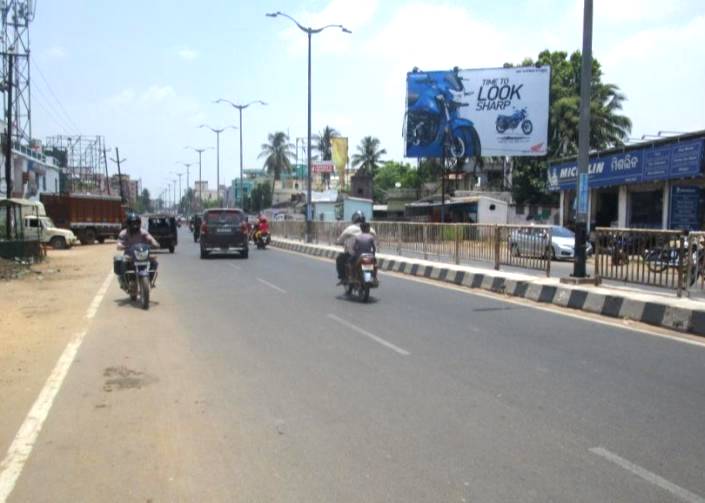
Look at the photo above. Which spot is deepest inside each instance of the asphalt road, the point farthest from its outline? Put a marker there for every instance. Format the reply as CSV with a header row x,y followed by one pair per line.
x,y
257,381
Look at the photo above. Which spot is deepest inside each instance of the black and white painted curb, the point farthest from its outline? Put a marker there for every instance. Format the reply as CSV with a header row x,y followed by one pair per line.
x,y
613,305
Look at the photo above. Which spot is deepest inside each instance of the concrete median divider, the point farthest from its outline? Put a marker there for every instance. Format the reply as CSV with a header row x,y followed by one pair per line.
x,y
683,315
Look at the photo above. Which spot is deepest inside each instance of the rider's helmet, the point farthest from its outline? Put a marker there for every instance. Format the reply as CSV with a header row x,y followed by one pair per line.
x,y
133,223
358,217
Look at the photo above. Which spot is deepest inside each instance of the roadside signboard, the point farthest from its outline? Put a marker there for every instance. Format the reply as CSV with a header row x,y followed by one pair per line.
x,y
322,167
685,207
487,112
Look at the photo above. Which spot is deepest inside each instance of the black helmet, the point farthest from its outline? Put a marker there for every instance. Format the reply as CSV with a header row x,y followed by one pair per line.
x,y
358,217
133,222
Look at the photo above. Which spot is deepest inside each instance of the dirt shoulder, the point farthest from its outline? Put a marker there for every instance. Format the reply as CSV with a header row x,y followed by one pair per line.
x,y
41,310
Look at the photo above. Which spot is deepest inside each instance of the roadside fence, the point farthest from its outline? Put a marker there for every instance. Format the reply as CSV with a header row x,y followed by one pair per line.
x,y
528,247
666,259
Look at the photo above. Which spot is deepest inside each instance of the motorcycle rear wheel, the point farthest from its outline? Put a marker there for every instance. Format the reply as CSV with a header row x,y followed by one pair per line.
x,y
364,293
527,127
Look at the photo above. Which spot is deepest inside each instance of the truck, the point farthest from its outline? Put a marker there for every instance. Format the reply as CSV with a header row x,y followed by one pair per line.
x,y
38,226
91,217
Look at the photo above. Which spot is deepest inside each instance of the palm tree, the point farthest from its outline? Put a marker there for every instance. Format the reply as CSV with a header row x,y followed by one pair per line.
x,y
321,142
368,155
277,155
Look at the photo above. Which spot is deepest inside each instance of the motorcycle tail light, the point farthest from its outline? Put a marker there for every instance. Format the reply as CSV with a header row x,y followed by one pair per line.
x,y
367,260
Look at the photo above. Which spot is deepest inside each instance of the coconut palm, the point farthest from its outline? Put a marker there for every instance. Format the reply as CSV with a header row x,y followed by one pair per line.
x,y
321,142
368,156
277,154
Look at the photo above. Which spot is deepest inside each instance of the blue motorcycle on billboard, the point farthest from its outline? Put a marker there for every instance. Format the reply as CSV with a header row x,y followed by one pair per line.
x,y
513,121
433,125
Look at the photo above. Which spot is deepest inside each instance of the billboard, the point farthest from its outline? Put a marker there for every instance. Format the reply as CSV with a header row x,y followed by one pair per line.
x,y
339,152
483,112
322,166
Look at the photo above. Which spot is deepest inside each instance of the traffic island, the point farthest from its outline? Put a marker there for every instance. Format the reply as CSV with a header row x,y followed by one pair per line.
x,y
682,315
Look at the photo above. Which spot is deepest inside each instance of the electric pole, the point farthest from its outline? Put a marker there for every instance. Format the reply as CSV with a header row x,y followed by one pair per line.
x,y
117,161
105,160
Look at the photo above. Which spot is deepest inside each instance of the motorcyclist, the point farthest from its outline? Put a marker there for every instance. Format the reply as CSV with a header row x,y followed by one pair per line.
x,y
196,227
133,234
347,240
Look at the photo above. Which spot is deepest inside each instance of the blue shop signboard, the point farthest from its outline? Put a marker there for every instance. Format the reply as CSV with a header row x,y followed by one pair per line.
x,y
677,160
685,208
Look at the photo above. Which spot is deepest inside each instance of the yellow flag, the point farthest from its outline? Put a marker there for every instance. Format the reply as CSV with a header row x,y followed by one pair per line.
x,y
339,152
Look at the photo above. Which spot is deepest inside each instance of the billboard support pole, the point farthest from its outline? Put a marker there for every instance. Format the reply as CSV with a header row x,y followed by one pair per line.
x,y
443,186
583,144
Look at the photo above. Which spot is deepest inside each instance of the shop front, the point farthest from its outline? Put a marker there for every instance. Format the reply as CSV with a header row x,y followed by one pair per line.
x,y
655,185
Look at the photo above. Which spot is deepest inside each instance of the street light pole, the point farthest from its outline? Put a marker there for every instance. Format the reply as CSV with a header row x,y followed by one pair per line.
x,y
240,108
583,144
188,180
200,177
309,31
217,132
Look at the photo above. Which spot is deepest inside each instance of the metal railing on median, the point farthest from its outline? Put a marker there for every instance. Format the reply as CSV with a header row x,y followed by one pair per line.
x,y
528,247
660,258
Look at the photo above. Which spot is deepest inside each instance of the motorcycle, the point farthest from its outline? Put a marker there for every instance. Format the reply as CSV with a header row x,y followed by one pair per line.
x,y
505,122
261,239
433,125
361,277
135,273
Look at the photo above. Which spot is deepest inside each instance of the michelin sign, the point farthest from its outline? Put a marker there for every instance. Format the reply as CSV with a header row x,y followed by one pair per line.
x,y
674,161
485,112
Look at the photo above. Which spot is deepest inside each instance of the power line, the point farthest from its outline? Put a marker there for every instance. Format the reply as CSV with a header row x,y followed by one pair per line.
x,y
56,98
44,104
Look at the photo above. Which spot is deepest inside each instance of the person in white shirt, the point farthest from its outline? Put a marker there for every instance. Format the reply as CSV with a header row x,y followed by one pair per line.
x,y
347,240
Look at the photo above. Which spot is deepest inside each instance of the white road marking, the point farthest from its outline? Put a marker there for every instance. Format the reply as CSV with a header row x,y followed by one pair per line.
x,y
270,285
235,267
645,474
368,334
93,308
21,447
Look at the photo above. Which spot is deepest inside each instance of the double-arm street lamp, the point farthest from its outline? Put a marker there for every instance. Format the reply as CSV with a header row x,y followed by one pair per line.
x,y
179,175
217,132
240,108
199,151
308,31
188,179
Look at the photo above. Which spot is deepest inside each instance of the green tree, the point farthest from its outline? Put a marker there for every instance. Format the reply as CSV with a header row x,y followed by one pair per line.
x,y
278,155
186,203
608,127
143,204
260,197
368,155
321,142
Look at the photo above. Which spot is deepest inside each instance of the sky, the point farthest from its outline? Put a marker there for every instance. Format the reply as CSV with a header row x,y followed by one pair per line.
x,y
144,74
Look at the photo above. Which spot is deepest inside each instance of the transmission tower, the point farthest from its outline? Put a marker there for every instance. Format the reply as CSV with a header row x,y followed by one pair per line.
x,y
16,17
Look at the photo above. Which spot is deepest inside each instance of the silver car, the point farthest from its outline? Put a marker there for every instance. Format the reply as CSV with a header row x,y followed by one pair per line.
x,y
533,242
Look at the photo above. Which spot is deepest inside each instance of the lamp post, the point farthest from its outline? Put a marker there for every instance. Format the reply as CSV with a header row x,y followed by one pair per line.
x,y
217,132
308,31
179,175
200,178
240,108
188,182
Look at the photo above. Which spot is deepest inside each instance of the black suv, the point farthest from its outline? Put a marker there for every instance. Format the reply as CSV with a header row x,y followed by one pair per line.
x,y
224,230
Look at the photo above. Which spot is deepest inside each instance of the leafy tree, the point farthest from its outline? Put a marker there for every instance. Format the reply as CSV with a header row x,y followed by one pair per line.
x,y
143,204
608,128
321,142
186,203
368,155
260,197
278,155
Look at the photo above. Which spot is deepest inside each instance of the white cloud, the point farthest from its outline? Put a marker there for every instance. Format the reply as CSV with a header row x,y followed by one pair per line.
x,y
122,98
633,11
188,54
156,94
56,52
354,15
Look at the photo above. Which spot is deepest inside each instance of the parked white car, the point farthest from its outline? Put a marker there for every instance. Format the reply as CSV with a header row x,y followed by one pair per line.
x,y
533,242
43,229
